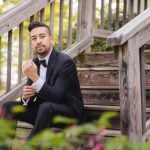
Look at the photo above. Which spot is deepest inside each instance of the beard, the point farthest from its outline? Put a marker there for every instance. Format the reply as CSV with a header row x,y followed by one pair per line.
x,y
42,51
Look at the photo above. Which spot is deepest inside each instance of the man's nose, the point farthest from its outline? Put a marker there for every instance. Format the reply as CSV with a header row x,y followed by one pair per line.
x,y
38,40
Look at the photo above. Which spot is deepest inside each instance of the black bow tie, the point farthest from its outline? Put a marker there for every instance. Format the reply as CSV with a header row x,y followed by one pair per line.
x,y
43,62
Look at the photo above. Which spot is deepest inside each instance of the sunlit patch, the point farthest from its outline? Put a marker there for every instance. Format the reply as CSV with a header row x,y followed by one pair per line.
x,y
18,109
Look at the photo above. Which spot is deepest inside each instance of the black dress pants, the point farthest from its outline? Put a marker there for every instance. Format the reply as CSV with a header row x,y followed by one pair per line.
x,y
40,116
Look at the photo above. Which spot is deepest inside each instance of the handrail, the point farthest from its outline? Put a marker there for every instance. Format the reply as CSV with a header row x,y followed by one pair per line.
x,y
13,94
19,13
79,47
130,29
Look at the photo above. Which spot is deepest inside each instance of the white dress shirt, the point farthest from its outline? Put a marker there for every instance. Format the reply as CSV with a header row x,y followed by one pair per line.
x,y
42,78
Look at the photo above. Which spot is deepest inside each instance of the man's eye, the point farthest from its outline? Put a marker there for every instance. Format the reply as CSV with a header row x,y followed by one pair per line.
x,y
33,39
43,36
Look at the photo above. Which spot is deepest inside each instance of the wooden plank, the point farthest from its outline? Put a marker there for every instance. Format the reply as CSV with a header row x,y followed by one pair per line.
x,y
79,47
131,9
60,37
105,59
42,11
143,96
13,94
102,15
134,91
110,15
52,16
9,61
101,33
100,96
124,11
117,15
139,6
98,77
85,18
20,52
69,38
130,29
143,36
19,13
97,59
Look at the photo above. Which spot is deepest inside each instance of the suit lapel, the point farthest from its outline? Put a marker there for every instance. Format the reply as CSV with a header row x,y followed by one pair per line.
x,y
51,63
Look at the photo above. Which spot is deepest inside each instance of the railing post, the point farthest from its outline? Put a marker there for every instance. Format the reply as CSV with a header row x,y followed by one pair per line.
x,y
132,96
85,18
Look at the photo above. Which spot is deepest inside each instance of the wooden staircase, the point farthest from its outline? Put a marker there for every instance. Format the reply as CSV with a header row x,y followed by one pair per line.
x,y
98,72
98,75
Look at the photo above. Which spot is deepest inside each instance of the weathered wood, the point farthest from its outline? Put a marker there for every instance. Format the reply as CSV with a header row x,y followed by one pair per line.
x,y
117,15
60,38
104,77
20,52
79,47
102,15
42,11
52,16
98,77
9,61
93,95
110,15
101,33
130,90
97,59
85,18
143,93
124,12
13,94
18,14
69,38
130,29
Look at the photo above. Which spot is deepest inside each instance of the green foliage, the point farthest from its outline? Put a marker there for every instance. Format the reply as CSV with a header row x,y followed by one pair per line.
x,y
87,136
100,45
7,133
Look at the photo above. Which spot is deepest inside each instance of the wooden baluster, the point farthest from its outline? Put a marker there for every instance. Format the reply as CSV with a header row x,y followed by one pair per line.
x,y
117,15
124,12
20,52
60,41
139,6
102,15
42,12
69,42
52,17
110,15
9,61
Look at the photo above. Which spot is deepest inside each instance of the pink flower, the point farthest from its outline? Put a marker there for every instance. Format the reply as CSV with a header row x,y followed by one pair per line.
x,y
98,147
2,112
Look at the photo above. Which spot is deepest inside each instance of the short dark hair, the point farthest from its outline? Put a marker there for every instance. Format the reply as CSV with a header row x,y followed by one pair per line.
x,y
36,24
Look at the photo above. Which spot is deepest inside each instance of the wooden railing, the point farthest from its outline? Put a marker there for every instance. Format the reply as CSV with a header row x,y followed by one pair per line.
x,y
14,35
18,19
130,40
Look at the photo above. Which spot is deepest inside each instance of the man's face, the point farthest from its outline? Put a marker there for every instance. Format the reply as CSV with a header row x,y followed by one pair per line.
x,y
41,41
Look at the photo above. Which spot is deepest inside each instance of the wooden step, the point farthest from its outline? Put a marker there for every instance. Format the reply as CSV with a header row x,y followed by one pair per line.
x,y
104,77
96,59
104,59
97,95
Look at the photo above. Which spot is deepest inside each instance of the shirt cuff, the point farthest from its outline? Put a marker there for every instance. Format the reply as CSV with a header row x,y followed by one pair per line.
x,y
25,102
38,84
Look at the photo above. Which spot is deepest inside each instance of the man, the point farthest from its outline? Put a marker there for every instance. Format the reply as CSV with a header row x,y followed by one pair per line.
x,y
52,87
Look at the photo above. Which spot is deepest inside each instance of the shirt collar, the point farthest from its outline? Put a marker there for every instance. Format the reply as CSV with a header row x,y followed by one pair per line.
x,y
47,57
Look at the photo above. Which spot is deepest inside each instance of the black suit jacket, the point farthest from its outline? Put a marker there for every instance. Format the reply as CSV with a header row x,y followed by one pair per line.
x,y
62,84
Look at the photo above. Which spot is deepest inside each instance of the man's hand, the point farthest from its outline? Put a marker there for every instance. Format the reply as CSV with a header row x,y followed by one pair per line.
x,y
27,92
30,70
